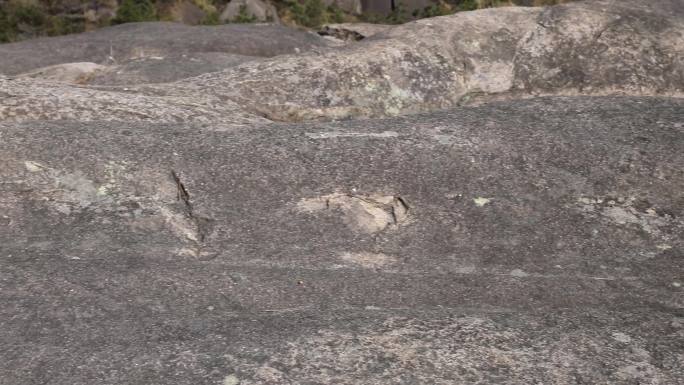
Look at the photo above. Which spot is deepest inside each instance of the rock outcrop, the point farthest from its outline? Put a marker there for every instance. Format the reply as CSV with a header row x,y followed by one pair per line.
x,y
27,99
76,73
138,40
164,69
353,31
257,9
525,241
167,216
581,48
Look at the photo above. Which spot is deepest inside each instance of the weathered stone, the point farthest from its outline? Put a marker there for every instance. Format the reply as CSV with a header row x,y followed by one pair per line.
x,y
352,31
469,57
376,7
538,241
258,9
158,227
98,12
187,12
350,6
162,69
78,73
135,40
431,64
29,99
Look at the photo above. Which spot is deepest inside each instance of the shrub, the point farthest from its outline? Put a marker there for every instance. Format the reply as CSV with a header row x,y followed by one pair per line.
x,y
212,18
335,14
131,11
243,16
439,9
468,5
6,30
309,13
19,20
399,15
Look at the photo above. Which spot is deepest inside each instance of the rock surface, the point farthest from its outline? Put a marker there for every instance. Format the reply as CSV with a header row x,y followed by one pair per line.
x,y
157,226
77,73
586,48
259,10
164,69
136,40
520,242
28,99
354,7
353,31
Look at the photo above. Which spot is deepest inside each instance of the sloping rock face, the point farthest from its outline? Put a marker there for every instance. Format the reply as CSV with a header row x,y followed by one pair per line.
x,y
142,70
592,48
353,31
138,40
516,225
67,73
583,48
28,99
520,242
164,69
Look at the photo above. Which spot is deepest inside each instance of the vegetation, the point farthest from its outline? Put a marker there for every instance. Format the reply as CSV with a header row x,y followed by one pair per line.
x,y
312,13
212,18
243,16
439,9
131,11
397,16
21,19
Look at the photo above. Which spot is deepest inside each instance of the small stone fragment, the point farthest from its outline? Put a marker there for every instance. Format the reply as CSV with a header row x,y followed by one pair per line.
x,y
34,166
480,201
518,273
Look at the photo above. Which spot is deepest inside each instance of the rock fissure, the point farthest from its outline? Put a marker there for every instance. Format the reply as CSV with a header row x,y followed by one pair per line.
x,y
183,196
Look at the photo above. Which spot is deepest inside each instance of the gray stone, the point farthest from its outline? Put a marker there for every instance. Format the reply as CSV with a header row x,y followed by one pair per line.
x,y
78,73
186,11
134,40
158,227
377,7
30,99
352,31
163,69
350,6
348,252
592,48
258,9
469,57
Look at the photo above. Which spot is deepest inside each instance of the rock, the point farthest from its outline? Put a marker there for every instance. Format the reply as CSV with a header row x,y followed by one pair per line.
x,y
258,9
184,253
78,73
431,64
187,12
350,6
352,31
29,99
163,69
159,226
377,7
134,40
98,13
571,49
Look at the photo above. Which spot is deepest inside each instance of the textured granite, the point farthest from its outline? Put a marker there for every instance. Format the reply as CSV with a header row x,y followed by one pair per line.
x,y
521,242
